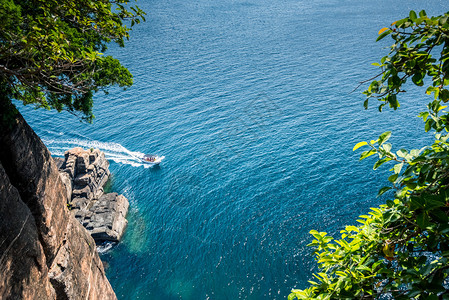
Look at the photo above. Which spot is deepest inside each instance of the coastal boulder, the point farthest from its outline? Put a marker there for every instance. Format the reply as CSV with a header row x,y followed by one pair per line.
x,y
105,220
103,215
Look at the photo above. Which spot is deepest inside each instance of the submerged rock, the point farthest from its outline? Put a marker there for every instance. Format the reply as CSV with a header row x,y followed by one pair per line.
x,y
84,173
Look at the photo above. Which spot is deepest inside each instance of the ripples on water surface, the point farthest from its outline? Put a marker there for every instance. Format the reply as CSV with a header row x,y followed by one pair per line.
x,y
250,103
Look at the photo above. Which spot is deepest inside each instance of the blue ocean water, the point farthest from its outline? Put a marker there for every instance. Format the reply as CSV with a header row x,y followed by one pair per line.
x,y
250,102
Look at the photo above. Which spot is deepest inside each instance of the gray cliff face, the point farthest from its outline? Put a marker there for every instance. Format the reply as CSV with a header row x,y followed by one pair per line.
x,y
45,253
84,173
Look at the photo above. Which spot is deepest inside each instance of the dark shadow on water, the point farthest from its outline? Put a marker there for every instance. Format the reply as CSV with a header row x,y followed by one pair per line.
x,y
155,168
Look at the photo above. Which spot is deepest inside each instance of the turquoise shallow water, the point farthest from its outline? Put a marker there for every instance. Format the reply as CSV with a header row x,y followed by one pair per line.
x,y
250,103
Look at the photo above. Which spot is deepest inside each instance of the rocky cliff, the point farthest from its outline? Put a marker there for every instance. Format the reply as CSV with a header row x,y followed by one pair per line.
x,y
84,173
45,253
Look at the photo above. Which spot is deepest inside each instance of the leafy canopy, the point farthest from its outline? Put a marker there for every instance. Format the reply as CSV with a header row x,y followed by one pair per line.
x,y
400,250
51,51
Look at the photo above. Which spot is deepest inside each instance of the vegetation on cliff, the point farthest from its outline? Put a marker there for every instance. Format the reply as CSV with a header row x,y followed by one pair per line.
x,y
401,249
50,51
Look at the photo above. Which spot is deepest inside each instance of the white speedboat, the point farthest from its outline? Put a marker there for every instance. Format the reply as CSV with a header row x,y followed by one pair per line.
x,y
152,159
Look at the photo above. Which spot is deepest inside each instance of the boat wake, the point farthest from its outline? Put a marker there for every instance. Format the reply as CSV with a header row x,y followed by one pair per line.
x,y
113,151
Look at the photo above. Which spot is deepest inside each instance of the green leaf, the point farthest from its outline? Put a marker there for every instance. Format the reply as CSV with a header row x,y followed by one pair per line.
x,y
444,96
366,154
401,152
422,13
383,34
387,147
411,185
397,168
393,178
291,296
423,115
429,124
413,16
418,79
431,89
341,274
422,220
398,23
384,137
440,216
365,104
414,152
432,202
380,162
315,234
393,101
383,190
416,202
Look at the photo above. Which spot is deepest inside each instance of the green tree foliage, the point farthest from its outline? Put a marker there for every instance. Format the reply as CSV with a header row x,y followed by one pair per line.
x,y
51,51
401,249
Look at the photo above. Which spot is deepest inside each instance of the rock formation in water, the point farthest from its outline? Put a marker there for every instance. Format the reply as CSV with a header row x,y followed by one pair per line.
x,y
84,173
45,253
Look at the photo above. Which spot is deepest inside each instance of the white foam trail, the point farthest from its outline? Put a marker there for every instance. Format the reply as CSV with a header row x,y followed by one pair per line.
x,y
113,151
105,247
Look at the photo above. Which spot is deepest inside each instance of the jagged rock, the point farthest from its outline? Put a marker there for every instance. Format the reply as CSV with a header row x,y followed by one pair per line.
x,y
107,218
82,162
44,252
84,192
69,165
59,162
65,177
79,203
67,183
88,170
103,215
63,271
82,179
99,192
23,265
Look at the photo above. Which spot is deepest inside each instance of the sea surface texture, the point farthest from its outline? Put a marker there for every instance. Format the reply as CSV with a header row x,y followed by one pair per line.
x,y
251,103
